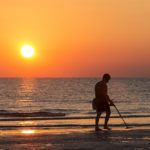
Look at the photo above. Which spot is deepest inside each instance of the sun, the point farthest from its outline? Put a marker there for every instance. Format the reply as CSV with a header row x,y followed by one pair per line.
x,y
27,51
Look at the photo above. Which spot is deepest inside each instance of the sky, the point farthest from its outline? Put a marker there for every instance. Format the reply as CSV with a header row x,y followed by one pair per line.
x,y
75,38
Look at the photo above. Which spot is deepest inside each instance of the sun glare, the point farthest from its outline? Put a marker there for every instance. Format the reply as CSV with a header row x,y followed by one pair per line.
x,y
27,51
28,131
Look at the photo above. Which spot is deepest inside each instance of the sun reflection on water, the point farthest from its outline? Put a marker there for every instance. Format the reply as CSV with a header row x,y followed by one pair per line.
x,y
25,95
28,131
26,122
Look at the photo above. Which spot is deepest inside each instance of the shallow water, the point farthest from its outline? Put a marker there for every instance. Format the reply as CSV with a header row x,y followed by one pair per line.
x,y
70,97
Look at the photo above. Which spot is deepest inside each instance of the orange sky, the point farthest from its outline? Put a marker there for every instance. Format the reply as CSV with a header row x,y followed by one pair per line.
x,y
75,38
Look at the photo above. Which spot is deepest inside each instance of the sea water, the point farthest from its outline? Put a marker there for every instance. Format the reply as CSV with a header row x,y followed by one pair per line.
x,y
70,97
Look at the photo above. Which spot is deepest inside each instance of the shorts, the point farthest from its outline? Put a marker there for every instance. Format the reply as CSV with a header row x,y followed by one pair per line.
x,y
101,105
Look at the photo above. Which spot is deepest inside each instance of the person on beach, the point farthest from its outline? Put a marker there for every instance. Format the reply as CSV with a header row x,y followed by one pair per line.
x,y
101,102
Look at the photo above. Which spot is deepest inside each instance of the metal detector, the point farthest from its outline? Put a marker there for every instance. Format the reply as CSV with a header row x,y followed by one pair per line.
x,y
120,116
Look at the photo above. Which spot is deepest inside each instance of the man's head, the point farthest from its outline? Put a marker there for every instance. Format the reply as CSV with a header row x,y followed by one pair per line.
x,y
106,77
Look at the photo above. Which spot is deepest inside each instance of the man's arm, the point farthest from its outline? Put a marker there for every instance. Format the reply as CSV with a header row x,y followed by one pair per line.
x,y
110,101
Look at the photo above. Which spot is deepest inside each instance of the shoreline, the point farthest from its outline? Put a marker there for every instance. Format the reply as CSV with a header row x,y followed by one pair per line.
x,y
70,123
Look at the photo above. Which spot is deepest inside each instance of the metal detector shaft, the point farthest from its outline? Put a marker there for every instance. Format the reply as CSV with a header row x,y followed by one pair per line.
x,y
121,116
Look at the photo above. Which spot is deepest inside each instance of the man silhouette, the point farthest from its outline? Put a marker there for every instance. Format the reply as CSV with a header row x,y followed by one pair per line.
x,y
102,101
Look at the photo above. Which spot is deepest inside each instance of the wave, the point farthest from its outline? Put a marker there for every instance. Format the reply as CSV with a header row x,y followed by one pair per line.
x,y
4,113
61,110
41,113
61,117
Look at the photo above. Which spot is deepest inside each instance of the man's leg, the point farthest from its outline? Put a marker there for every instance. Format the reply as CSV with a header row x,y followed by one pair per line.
x,y
107,119
97,120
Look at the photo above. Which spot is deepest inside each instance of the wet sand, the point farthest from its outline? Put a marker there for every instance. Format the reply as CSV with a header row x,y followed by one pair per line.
x,y
75,139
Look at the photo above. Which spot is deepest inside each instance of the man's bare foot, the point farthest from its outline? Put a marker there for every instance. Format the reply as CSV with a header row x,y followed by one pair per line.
x,y
98,129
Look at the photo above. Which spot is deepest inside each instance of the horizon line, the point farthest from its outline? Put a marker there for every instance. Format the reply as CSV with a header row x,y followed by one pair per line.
x,y
78,77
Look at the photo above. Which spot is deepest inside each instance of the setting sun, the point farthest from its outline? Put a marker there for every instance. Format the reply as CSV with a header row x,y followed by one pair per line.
x,y
27,51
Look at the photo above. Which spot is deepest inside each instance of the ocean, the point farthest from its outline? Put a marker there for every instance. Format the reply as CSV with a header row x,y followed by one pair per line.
x,y
49,101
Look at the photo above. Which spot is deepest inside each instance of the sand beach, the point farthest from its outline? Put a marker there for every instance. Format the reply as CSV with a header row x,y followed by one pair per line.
x,y
119,138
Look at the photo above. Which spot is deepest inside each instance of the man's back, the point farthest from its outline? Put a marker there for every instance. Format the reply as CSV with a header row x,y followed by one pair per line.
x,y
100,90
